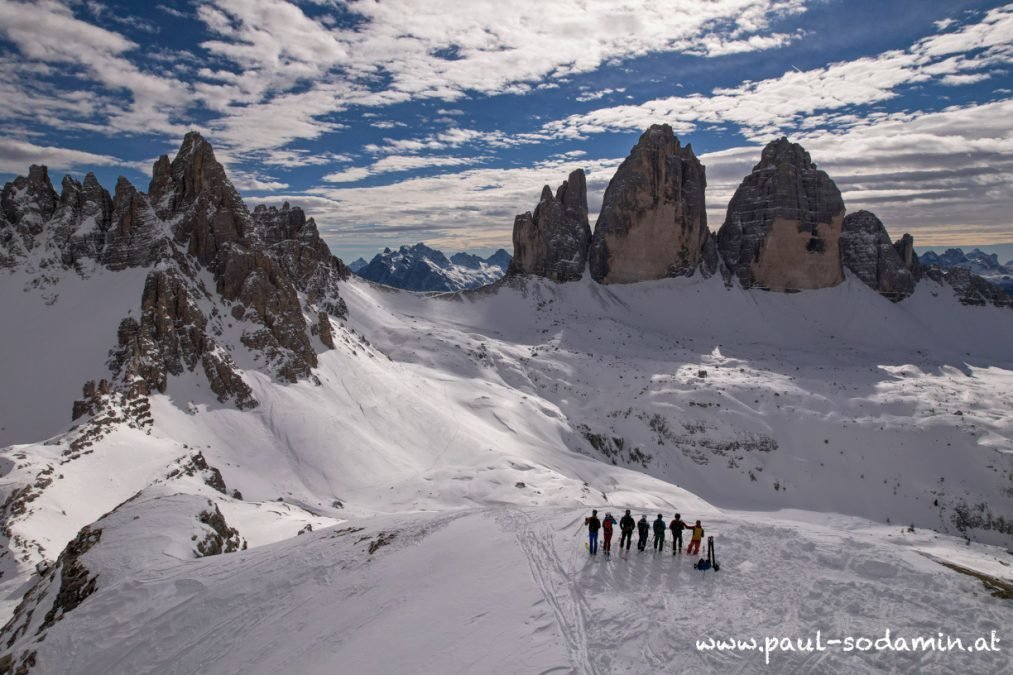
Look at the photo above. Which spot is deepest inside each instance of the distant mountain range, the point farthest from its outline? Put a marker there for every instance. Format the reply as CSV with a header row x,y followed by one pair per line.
x,y
421,268
976,261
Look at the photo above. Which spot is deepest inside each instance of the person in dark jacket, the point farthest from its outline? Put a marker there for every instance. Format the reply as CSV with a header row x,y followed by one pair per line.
x,y
643,529
677,526
626,527
659,533
593,525
606,526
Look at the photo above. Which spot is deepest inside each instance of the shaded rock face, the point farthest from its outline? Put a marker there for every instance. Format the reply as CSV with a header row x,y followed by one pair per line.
x,y
783,224
295,245
26,205
553,241
194,194
135,236
172,336
905,247
270,272
653,222
867,251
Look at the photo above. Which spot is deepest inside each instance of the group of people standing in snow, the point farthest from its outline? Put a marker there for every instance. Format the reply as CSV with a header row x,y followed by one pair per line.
x,y
626,526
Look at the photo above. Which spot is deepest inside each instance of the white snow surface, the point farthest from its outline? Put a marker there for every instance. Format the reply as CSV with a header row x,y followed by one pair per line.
x,y
807,431
57,335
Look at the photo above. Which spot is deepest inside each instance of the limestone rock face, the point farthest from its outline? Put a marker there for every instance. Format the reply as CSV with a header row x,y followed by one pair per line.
x,y
867,251
905,248
26,205
172,336
135,237
783,224
653,222
295,245
194,193
553,241
93,210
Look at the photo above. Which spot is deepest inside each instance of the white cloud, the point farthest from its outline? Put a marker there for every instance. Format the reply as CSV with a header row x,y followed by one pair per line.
x,y
786,102
16,156
350,175
48,32
245,180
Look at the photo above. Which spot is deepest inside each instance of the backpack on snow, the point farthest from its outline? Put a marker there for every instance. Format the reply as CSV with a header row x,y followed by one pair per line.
x,y
710,562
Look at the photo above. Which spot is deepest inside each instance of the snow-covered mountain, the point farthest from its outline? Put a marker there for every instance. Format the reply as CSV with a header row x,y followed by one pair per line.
x,y
977,262
276,466
357,264
420,268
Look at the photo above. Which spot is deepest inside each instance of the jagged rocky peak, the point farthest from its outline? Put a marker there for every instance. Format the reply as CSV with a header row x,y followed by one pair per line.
x,y
553,241
866,250
30,200
653,221
295,246
194,192
784,223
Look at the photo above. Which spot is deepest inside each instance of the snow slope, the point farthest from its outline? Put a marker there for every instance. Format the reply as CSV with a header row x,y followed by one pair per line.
x,y
510,589
73,322
479,427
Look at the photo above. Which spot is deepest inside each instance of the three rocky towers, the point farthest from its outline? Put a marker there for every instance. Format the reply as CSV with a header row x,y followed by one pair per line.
x,y
785,229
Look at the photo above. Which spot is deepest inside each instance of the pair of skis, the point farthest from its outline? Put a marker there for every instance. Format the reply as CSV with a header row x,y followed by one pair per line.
x,y
711,563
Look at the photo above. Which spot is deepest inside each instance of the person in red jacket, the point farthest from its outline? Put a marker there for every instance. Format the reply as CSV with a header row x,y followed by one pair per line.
x,y
606,527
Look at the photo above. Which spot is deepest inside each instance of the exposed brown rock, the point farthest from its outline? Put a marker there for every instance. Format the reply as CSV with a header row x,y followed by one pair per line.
x,y
783,224
653,222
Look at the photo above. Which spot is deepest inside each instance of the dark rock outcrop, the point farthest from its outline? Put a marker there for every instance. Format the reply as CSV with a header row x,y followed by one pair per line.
x,y
26,205
136,237
970,288
653,222
553,241
867,251
295,245
783,224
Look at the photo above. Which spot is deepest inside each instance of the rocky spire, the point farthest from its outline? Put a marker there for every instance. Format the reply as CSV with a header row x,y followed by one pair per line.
x,y
783,223
866,250
653,222
195,194
552,242
26,205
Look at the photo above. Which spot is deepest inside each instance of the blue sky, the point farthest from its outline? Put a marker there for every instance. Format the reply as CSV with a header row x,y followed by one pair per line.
x,y
395,122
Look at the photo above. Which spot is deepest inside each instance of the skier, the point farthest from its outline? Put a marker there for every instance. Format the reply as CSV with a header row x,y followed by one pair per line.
x,y
659,533
694,542
626,525
677,527
643,529
593,525
606,526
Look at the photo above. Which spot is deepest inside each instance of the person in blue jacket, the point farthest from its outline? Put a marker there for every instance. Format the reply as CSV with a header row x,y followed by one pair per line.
x,y
643,529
